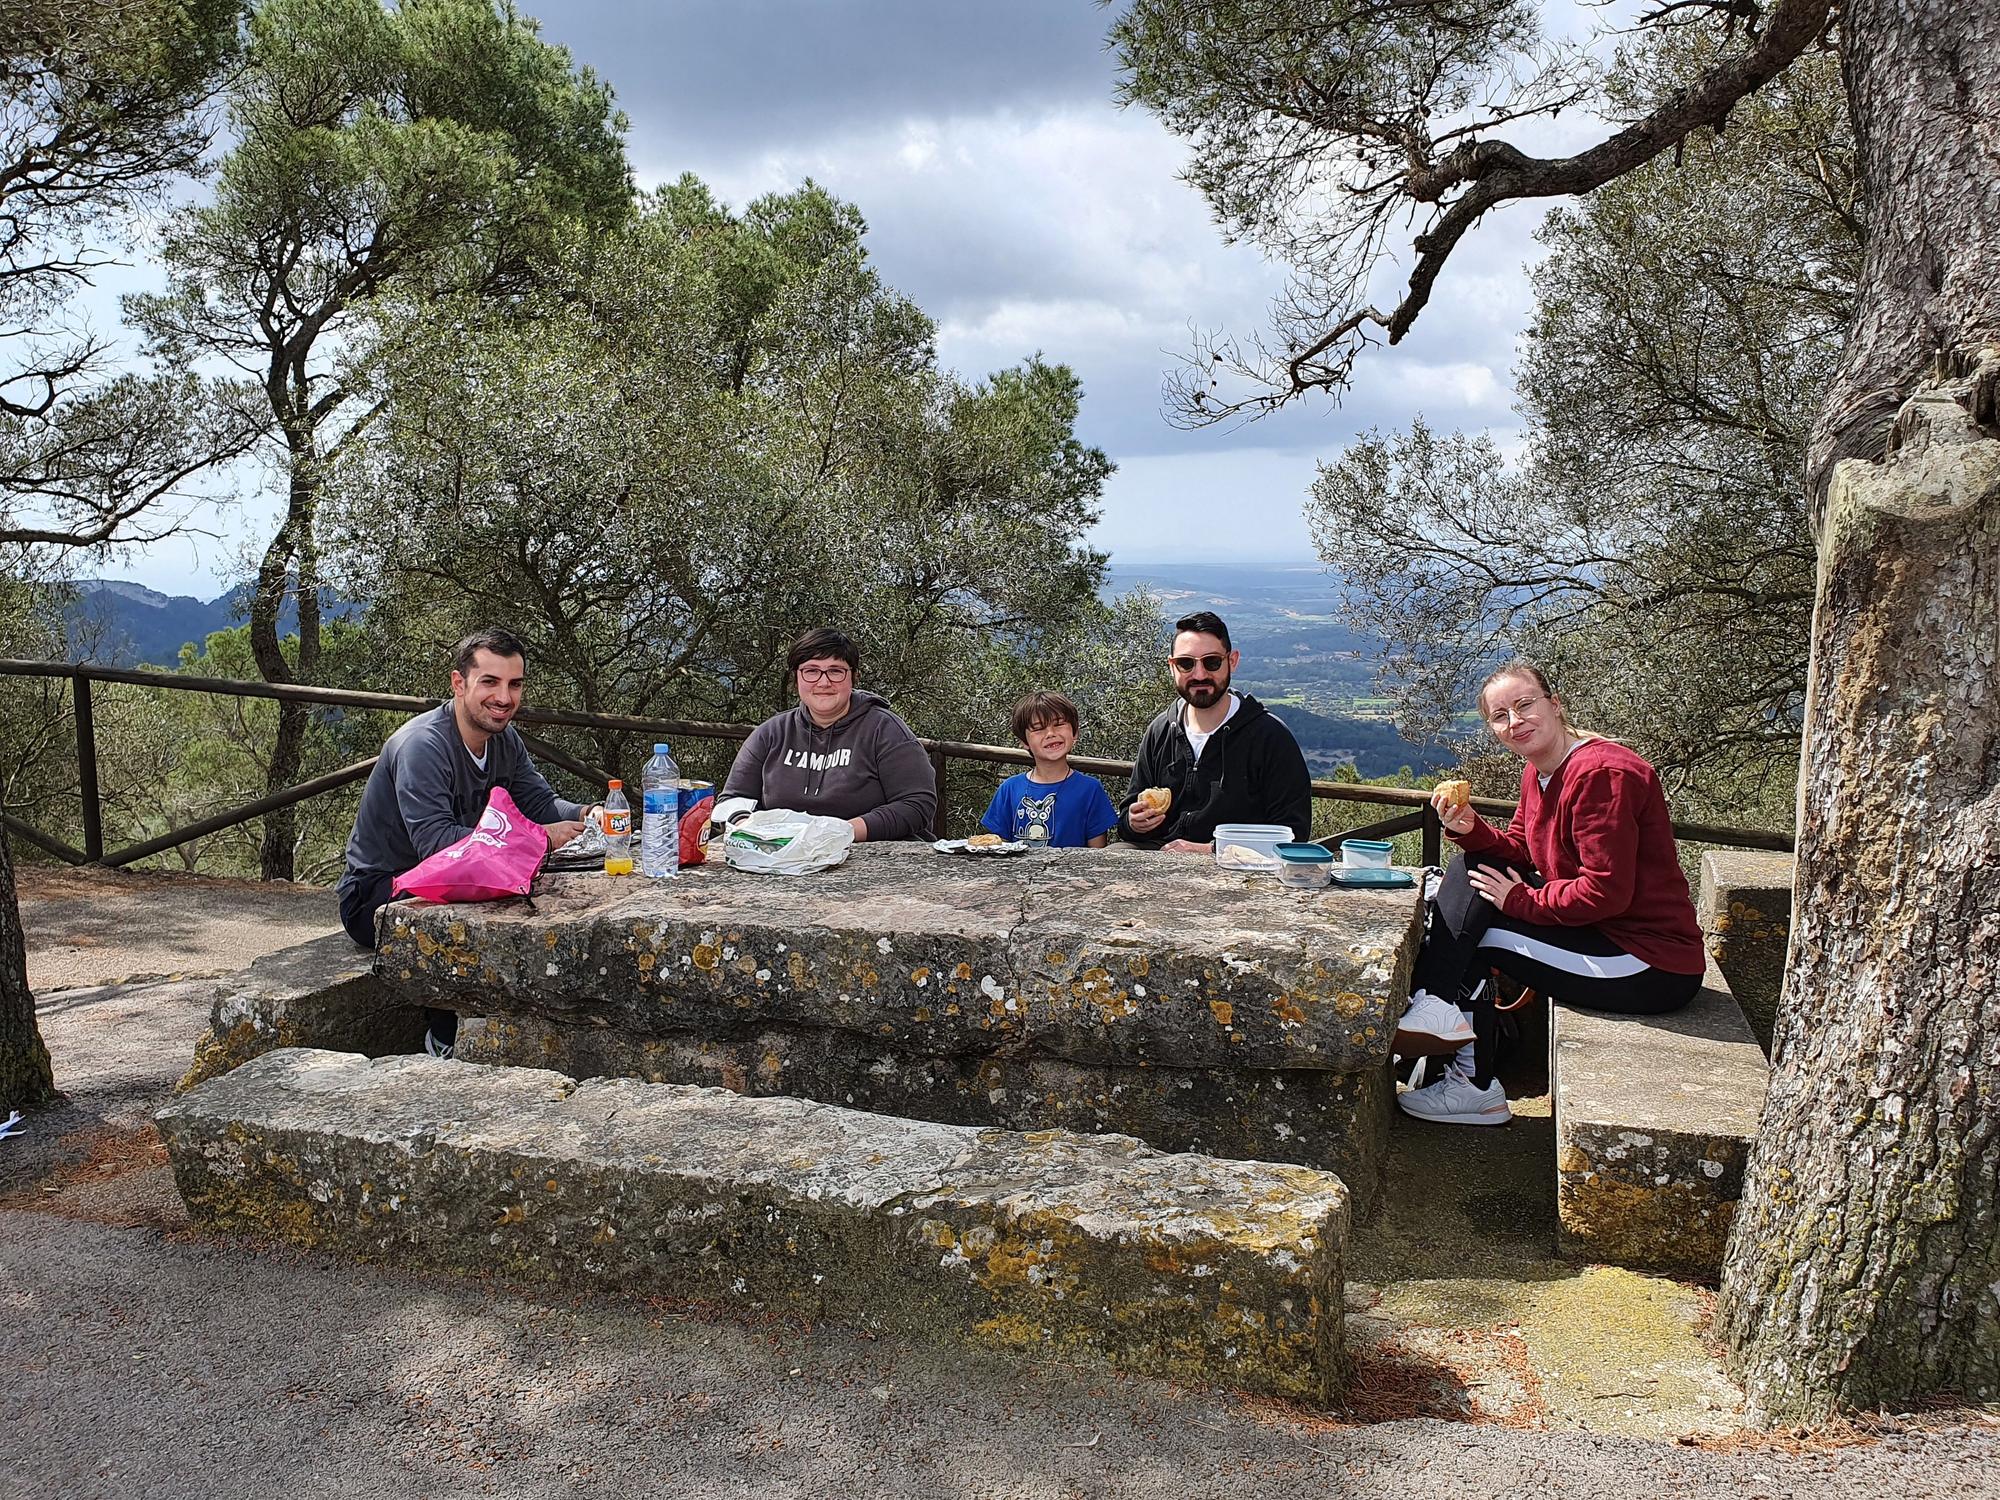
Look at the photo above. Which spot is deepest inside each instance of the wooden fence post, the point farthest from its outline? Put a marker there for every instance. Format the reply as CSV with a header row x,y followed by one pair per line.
x,y
86,766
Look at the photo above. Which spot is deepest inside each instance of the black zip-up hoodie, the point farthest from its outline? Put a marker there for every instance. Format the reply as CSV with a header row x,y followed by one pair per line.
x,y
866,764
1251,771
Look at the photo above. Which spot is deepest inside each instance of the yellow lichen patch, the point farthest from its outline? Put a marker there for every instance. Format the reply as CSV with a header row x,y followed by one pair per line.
x,y
770,1065
1223,1011
549,938
1288,1010
1139,966
707,957
1348,1005
604,1236
866,977
919,976
796,967
734,1078
962,971
513,1213
552,1186
745,964
647,960
1057,959
951,1009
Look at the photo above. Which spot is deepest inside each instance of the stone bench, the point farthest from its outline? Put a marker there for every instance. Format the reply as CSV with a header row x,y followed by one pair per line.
x,y
318,994
1181,1266
1092,990
1745,908
1654,1116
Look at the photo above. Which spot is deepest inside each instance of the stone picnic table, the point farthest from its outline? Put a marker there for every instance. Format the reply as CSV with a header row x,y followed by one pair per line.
x,y
1100,991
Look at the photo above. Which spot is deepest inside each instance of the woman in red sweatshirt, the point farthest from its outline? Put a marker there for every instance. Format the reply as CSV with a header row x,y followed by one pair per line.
x,y
1580,896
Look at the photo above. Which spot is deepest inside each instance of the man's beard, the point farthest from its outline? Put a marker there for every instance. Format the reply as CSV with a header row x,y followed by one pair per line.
x,y
1203,694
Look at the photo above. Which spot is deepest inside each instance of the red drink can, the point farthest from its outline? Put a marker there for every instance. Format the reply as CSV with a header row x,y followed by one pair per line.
x,y
697,806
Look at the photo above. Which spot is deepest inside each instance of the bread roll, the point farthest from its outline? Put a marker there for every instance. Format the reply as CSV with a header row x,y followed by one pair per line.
x,y
1460,793
1156,798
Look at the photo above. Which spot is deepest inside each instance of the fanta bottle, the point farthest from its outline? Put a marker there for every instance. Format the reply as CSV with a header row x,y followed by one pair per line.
x,y
617,830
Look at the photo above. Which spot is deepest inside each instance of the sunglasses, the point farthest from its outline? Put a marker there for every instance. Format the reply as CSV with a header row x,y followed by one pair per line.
x,y
1185,664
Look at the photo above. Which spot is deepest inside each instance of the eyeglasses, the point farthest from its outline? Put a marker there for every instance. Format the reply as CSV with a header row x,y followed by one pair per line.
x,y
1186,664
823,674
1520,708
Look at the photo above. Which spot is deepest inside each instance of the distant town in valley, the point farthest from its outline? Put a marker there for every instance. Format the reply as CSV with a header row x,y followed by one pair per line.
x,y
1318,675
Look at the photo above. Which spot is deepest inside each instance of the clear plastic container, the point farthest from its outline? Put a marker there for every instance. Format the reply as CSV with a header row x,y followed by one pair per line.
x,y
1307,866
1250,846
1365,854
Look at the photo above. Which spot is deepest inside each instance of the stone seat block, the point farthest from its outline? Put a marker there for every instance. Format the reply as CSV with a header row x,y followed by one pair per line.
x,y
319,994
1745,908
1337,1122
1654,1117
1113,957
1182,1266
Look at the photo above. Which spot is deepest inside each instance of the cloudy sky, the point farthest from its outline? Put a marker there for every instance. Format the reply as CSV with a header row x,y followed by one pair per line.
x,y
1007,194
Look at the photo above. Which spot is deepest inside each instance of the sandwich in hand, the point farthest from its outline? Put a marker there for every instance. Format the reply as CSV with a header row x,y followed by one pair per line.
x,y
1156,798
1460,793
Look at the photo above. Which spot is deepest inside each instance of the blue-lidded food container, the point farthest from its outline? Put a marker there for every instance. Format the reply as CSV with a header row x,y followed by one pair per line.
x,y
1308,866
1365,854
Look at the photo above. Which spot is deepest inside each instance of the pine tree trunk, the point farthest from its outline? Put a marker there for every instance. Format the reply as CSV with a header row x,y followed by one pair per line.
x,y
1865,1264
25,1076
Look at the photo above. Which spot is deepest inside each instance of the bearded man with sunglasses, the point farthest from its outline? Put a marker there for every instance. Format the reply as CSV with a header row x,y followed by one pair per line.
x,y
1224,756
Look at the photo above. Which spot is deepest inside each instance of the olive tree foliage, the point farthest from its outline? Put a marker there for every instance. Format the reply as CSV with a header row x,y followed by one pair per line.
x,y
1652,547
432,148
101,108
1864,1253
708,432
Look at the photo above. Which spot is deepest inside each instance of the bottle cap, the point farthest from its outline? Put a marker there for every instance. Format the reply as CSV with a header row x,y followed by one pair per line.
x,y
661,749
615,785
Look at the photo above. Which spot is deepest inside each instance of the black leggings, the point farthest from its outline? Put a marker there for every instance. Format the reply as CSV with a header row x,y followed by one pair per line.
x,y
1467,934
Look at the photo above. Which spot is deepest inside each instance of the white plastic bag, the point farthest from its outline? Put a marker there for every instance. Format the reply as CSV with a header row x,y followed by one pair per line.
x,y
776,842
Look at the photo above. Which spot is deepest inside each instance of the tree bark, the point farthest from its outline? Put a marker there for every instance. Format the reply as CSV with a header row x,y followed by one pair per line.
x,y
26,1079
293,545
1865,1264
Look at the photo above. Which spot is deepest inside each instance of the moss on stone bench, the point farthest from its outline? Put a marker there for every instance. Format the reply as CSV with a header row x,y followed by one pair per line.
x,y
1182,1266
1654,1117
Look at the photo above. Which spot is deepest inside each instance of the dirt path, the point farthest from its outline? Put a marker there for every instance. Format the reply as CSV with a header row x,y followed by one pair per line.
x,y
107,926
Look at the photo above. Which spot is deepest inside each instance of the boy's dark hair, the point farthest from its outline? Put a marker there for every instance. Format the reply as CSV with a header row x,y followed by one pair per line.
x,y
815,644
1205,622
1044,708
497,639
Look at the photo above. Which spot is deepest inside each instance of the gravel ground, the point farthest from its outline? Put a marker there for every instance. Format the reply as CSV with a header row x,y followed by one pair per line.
x,y
142,1359
100,926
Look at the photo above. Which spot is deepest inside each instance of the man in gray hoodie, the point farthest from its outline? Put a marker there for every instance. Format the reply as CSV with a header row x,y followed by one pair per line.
x,y
841,753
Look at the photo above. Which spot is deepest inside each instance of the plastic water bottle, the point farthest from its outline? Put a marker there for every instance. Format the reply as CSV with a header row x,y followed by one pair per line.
x,y
617,831
660,832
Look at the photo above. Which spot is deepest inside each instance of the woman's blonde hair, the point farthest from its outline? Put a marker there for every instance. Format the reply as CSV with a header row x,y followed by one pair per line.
x,y
1530,670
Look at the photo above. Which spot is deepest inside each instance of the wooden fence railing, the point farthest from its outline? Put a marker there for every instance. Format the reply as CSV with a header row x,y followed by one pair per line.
x,y
1416,815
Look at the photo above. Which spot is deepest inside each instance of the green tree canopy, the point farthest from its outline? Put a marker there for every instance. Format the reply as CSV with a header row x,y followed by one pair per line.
x,y
434,149
1687,319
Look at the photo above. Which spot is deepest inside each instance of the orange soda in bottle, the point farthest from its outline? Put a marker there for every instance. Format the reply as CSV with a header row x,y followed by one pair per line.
x,y
617,830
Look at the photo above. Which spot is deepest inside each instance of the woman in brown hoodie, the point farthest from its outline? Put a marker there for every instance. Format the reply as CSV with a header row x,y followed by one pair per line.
x,y
841,753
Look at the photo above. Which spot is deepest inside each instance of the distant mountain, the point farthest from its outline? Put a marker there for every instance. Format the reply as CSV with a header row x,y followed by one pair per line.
x,y
124,624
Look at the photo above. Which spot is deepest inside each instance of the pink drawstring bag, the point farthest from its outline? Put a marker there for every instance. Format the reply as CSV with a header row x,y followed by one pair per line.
x,y
498,859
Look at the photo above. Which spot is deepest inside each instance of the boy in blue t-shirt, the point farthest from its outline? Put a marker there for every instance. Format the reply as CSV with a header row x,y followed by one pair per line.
x,y
1050,803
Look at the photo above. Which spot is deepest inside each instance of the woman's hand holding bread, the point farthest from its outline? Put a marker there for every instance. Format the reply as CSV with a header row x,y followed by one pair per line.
x,y
1453,802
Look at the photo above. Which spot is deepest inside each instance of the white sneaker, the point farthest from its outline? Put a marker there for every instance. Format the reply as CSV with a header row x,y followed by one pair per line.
x,y
1432,1025
435,1047
1454,1100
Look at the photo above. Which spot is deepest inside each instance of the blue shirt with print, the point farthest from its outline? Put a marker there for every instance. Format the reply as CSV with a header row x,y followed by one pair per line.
x,y
1072,811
